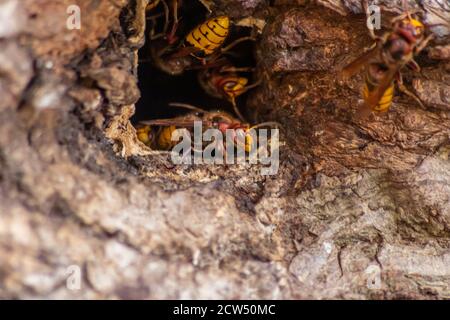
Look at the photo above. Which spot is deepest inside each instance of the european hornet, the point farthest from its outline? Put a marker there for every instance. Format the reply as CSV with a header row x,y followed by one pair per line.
x,y
157,133
225,82
383,62
156,137
203,44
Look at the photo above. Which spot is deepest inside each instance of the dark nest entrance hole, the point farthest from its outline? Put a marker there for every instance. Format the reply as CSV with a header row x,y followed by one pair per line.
x,y
158,88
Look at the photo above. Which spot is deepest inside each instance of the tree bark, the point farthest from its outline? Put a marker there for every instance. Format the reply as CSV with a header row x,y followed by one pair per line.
x,y
358,209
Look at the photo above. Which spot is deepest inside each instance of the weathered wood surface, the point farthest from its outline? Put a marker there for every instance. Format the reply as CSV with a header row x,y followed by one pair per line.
x,y
358,209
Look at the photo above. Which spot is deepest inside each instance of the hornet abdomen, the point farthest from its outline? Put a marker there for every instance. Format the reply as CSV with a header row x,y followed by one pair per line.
x,y
210,35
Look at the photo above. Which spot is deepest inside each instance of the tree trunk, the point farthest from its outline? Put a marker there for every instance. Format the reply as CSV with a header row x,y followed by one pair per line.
x,y
358,209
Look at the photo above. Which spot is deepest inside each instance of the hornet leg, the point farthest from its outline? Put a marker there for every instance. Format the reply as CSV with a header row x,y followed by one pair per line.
x,y
405,90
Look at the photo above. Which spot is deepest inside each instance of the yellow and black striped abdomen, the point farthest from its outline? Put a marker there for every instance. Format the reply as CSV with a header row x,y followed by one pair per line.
x,y
233,86
165,138
210,35
144,134
386,100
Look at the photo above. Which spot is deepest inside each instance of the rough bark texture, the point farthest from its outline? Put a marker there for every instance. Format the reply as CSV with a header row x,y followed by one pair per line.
x,y
359,209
